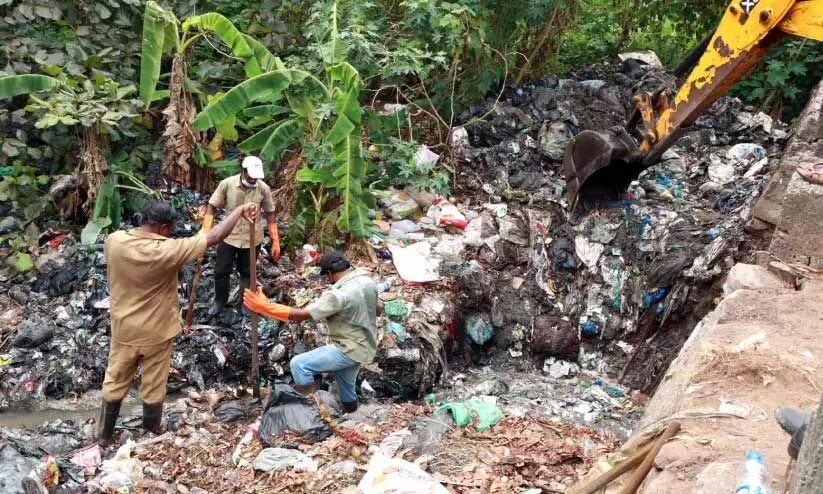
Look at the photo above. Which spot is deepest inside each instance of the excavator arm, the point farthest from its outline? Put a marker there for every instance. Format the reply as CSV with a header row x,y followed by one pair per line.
x,y
600,164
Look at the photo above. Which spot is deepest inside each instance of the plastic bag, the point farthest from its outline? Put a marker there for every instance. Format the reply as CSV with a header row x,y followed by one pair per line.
x,y
122,471
392,476
488,414
445,213
288,410
276,459
479,329
415,263
398,330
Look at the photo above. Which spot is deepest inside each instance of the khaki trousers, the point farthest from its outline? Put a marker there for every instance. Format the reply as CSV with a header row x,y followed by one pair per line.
x,y
154,362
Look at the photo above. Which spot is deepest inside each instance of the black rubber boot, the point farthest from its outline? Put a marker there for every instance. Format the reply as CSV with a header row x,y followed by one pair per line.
x,y
152,417
349,406
108,417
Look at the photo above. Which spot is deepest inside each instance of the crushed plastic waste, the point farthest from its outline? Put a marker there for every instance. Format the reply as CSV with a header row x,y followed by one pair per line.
x,y
387,475
482,413
277,459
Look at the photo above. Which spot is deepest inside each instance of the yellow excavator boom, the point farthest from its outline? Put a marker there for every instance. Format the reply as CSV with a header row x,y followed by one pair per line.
x,y
605,162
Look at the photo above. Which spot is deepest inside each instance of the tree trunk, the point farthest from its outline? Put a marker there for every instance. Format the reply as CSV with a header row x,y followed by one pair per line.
x,y
807,477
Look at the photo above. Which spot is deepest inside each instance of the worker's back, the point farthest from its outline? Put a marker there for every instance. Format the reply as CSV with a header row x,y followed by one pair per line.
x,y
142,276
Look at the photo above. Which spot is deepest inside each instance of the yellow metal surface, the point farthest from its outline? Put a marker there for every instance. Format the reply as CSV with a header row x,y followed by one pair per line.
x,y
737,34
805,19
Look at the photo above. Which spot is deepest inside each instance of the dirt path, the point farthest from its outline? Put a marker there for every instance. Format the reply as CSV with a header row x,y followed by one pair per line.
x,y
758,350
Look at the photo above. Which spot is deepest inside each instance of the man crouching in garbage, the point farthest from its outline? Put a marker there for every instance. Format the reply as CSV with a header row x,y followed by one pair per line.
x,y
350,310
142,269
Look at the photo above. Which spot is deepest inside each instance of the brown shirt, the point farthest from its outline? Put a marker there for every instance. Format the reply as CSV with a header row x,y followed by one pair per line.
x,y
142,274
230,194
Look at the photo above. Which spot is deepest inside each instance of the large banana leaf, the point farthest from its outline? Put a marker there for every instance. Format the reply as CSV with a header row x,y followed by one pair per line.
x,y
229,34
159,33
278,140
271,140
350,169
334,50
264,110
257,88
15,85
267,61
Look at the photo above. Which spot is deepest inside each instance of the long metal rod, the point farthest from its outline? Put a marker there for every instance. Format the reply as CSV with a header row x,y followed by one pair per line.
x,y
255,358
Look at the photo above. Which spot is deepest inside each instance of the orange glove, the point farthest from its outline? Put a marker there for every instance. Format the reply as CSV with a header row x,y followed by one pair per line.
x,y
208,222
257,302
274,235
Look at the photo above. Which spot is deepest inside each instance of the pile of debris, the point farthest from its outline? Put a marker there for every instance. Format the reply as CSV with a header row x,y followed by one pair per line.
x,y
460,447
497,275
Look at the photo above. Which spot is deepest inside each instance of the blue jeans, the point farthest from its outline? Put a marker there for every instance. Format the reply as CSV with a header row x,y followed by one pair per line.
x,y
327,358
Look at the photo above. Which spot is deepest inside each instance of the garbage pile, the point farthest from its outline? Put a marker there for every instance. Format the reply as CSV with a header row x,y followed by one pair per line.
x,y
495,275
472,445
628,268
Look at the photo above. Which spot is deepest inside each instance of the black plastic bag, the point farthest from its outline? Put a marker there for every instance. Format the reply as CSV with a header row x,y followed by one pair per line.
x,y
288,410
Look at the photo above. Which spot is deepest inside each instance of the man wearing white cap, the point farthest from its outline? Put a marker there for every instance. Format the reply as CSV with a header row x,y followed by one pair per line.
x,y
244,188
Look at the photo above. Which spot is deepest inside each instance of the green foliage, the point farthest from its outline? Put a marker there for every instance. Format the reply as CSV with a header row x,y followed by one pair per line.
x,y
15,85
159,37
109,203
783,81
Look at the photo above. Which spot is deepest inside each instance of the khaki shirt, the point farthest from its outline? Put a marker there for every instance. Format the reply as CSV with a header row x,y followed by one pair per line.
x,y
230,194
142,273
350,311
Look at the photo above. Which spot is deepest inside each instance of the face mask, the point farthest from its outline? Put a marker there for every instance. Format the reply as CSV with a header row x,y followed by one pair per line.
x,y
245,183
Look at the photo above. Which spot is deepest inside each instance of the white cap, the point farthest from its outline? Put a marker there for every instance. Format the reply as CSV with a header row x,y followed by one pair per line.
x,y
254,167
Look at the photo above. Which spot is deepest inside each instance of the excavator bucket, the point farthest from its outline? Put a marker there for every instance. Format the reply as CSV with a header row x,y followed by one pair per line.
x,y
600,166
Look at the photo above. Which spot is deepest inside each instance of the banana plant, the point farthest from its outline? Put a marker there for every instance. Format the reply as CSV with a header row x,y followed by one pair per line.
x,y
15,85
164,34
296,108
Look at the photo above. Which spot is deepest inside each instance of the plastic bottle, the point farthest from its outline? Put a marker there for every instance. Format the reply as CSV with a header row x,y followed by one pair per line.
x,y
752,476
383,286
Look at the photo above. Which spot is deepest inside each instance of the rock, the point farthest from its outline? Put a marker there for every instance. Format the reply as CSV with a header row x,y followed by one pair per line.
x,y
555,337
750,277
716,477
552,139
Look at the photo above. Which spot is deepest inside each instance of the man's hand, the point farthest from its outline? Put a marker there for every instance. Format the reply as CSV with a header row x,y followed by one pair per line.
x,y
249,212
257,302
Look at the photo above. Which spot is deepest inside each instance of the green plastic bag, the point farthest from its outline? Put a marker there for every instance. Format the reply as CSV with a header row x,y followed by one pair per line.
x,y
396,310
488,414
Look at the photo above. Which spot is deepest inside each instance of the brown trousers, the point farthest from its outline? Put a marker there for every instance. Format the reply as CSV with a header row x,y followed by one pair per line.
x,y
154,362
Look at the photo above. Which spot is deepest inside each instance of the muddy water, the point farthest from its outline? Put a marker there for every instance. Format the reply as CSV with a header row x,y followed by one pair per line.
x,y
78,411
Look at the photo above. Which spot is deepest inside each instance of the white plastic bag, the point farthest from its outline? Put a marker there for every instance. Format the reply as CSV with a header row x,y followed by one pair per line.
x,y
392,476
415,263
122,470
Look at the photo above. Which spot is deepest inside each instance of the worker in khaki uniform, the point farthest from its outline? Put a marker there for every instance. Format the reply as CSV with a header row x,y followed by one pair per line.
x,y
245,188
350,310
142,269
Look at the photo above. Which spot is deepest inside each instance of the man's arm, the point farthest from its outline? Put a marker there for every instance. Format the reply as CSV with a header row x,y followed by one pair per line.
x,y
225,227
